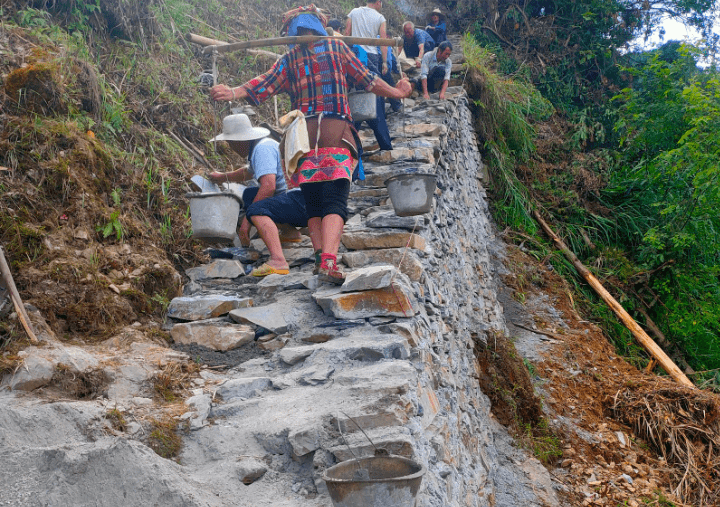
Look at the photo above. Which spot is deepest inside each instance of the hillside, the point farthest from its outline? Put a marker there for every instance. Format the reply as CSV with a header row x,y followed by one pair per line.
x,y
496,370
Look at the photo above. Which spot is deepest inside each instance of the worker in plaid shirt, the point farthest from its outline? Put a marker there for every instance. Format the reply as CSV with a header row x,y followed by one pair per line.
x,y
316,78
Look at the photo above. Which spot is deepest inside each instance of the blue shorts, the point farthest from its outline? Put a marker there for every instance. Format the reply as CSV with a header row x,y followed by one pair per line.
x,y
287,208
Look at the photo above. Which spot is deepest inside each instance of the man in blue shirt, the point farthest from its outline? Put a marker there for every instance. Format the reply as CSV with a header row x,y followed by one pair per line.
x,y
437,28
270,204
416,42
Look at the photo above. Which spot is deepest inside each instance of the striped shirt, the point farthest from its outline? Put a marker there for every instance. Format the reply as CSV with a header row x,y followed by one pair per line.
x,y
315,77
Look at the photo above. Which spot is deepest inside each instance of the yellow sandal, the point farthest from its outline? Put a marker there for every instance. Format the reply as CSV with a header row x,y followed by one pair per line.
x,y
266,270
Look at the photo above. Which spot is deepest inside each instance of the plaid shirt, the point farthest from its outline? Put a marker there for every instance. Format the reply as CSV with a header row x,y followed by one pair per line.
x,y
316,78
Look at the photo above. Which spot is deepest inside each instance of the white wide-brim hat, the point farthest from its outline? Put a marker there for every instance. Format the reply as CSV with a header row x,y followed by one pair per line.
x,y
237,127
438,12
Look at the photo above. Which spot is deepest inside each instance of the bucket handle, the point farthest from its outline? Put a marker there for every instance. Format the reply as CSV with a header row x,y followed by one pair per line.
x,y
363,432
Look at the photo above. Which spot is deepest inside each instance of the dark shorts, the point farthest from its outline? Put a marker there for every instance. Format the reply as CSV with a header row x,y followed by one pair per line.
x,y
249,196
327,198
288,208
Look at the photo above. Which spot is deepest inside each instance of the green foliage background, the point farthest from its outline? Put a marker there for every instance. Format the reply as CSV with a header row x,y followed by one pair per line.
x,y
646,127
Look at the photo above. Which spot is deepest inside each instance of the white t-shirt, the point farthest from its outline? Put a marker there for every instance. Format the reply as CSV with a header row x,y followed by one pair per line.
x,y
366,22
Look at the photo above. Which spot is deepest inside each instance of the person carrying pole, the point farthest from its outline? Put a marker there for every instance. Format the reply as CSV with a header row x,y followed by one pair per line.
x,y
317,76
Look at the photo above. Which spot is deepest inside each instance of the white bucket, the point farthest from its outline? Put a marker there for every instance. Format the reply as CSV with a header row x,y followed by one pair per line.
x,y
214,216
363,105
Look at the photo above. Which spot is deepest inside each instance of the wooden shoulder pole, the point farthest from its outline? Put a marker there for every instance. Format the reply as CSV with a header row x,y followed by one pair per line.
x,y
221,47
653,349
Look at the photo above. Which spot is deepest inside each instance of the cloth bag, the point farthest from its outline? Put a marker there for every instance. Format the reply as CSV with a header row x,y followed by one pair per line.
x,y
296,139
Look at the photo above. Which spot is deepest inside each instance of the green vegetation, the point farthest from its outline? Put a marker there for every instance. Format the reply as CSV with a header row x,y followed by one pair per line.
x,y
99,99
628,175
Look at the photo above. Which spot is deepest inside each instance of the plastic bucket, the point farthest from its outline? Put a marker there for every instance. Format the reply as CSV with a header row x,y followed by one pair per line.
x,y
214,216
411,193
376,481
363,105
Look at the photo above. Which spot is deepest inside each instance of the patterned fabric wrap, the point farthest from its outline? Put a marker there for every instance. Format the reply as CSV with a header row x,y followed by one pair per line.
x,y
306,9
324,164
316,78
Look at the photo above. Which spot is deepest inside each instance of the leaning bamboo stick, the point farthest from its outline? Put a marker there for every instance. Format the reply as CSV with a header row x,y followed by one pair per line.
x,y
15,296
653,349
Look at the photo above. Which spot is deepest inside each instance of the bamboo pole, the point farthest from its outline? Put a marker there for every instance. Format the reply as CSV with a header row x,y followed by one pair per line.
x,y
212,45
653,349
15,296
206,41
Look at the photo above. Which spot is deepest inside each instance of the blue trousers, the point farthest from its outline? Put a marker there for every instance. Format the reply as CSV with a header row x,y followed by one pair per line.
x,y
379,124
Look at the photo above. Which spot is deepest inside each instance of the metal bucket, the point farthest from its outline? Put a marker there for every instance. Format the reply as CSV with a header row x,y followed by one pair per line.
x,y
363,105
411,193
214,216
375,481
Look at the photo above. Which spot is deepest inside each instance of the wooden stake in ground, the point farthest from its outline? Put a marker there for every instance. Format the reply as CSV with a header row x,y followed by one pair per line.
x,y
653,349
15,296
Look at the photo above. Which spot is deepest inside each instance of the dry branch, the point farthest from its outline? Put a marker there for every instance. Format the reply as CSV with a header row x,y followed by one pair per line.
x,y
681,425
653,349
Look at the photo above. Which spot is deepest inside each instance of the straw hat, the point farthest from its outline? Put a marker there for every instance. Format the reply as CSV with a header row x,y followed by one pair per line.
x,y
237,127
438,12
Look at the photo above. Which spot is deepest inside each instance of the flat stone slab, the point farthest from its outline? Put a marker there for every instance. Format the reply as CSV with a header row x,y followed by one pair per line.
x,y
410,265
359,346
205,307
213,335
270,317
363,347
294,355
365,239
388,219
390,301
369,278
243,388
40,364
425,129
417,154
395,440
220,268
276,283
385,370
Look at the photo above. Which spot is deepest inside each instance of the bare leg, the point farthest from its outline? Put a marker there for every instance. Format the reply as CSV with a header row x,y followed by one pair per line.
x,y
332,229
269,234
315,239
315,230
